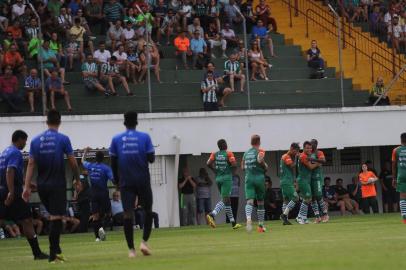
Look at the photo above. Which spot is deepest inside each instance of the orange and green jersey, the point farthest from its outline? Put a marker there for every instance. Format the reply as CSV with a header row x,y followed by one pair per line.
x,y
304,173
251,165
399,156
223,161
286,171
317,173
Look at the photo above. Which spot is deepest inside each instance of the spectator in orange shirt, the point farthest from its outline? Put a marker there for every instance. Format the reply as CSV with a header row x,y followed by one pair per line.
x,y
17,34
367,180
182,45
14,59
9,90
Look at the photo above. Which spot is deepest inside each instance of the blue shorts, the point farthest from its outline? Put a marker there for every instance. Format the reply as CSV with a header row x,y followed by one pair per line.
x,y
203,205
130,193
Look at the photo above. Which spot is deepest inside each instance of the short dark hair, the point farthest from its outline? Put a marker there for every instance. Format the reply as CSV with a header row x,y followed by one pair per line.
x,y
295,146
130,119
77,20
18,135
327,178
403,137
306,143
255,139
99,156
101,42
222,144
113,58
268,179
339,179
53,117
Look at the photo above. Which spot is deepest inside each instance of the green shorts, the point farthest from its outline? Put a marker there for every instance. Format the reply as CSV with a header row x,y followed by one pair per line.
x,y
289,192
316,186
224,184
255,188
401,185
304,188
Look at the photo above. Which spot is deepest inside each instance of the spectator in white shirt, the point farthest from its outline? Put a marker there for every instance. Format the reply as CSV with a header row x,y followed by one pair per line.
x,y
121,56
114,35
185,13
102,55
129,34
17,9
117,211
229,35
395,33
192,28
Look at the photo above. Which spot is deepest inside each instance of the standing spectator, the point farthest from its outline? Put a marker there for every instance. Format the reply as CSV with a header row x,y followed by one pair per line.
x,y
117,211
344,196
215,40
355,190
390,197
192,28
82,198
187,186
314,59
32,86
102,55
112,11
257,62
54,87
182,45
378,90
235,194
14,59
90,74
233,72
114,34
94,15
208,88
260,33
9,90
263,13
199,50
203,197
110,74
367,180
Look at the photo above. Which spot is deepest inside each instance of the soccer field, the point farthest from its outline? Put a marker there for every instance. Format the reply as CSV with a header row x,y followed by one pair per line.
x,y
363,242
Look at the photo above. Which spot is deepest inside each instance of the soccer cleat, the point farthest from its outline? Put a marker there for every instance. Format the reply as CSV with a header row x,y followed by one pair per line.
x,y
325,218
249,226
210,221
61,257
237,226
131,253
306,221
285,219
102,234
97,239
41,256
261,229
145,249
300,220
317,220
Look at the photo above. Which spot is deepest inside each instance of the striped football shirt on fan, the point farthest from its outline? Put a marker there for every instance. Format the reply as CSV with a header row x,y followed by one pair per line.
x,y
230,66
209,96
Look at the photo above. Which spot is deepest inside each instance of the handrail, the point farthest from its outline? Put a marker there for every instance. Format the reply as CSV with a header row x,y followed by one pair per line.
x,y
392,82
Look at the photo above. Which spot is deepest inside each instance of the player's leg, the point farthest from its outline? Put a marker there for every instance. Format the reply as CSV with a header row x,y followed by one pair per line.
x,y
315,196
402,204
290,199
260,196
128,196
96,209
225,194
104,214
305,191
217,209
250,196
146,200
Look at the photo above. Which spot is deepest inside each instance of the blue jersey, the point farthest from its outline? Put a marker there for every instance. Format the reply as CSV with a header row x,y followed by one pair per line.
x,y
48,150
99,174
11,157
131,148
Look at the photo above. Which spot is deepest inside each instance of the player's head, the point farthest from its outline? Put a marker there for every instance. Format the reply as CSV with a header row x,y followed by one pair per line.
x,y
99,156
53,118
403,138
130,119
255,140
19,139
307,147
222,144
314,143
294,148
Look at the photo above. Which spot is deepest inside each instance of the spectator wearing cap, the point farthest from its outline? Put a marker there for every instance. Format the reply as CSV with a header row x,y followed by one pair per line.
x,y
195,26
90,73
114,35
199,50
50,61
9,89
54,87
260,33
215,40
111,76
32,86
182,45
102,55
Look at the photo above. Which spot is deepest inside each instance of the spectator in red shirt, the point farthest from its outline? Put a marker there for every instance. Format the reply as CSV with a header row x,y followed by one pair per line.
x,y
263,12
182,45
14,59
9,89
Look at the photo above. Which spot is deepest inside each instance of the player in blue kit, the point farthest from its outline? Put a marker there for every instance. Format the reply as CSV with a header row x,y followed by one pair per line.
x,y
12,205
130,152
47,153
99,175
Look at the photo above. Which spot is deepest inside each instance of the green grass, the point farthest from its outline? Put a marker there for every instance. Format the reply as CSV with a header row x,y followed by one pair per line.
x,y
363,242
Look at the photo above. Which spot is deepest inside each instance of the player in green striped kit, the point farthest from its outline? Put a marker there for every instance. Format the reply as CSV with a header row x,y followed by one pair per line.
x,y
254,165
399,173
287,179
222,164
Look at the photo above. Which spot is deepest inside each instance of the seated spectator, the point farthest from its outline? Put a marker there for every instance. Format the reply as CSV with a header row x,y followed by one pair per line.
x,y
257,62
17,34
272,211
65,21
54,87
260,33
112,11
94,14
213,14
134,66
329,194
354,189
74,7
90,76
77,32
54,7
50,61
73,52
390,197
32,36
9,90
8,40
192,28
110,75
314,59
121,56
203,197
130,16
215,40
139,215
233,72
199,50
182,45
129,36
70,223
117,212
367,180
210,89
263,13
17,9
378,90
247,10
396,33
199,11
55,45
231,16
159,11
32,86
343,195
169,23
102,55
114,35
14,59
228,34
12,229
3,22
84,23
185,13
354,11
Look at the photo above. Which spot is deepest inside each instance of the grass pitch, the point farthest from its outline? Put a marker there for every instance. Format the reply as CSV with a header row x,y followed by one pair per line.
x,y
363,242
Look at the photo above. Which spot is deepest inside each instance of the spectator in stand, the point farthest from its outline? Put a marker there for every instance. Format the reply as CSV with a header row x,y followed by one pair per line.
x,y
187,186
329,194
155,60
32,86
54,7
17,9
159,11
9,90
3,22
229,35
102,55
110,75
94,14
8,40
314,59
65,21
378,90
117,211
54,87
130,16
231,16
74,7
213,14
90,76
367,180
185,13
354,190
134,66
49,58
396,34
199,11
376,23
210,67
215,40
84,24
257,62
247,10
182,45
199,50
192,28
14,59
390,197
121,56
263,13
272,211
114,35
210,89
55,44
17,34
12,229
73,52
260,33
112,11
343,195
233,72
203,197
32,36
129,37
169,23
